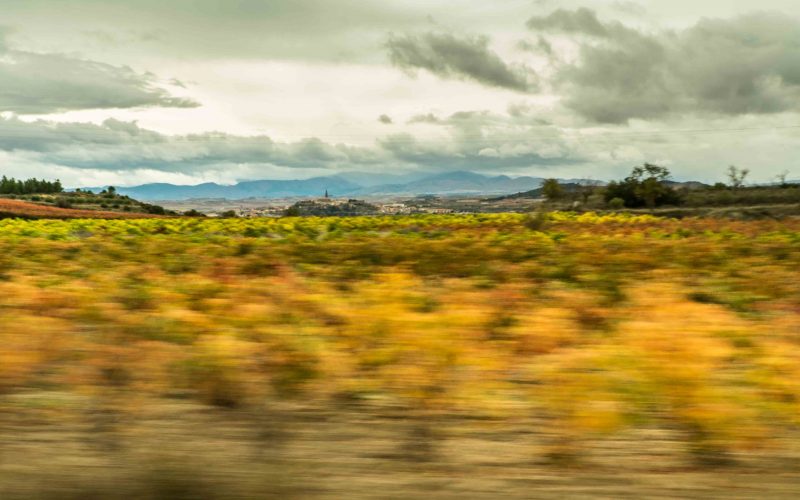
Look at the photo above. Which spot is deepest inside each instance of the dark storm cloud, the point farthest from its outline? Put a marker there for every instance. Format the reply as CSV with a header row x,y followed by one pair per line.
x,y
449,56
745,65
34,83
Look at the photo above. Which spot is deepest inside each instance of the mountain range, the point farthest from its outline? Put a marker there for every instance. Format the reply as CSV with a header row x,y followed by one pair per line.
x,y
349,184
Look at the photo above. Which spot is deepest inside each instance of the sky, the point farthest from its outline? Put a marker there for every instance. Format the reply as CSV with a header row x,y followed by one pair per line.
x,y
98,92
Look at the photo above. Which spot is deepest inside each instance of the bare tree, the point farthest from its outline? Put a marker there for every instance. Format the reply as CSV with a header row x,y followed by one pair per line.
x,y
736,176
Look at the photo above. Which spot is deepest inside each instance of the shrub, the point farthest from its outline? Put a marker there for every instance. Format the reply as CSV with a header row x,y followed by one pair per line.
x,y
63,203
616,203
536,221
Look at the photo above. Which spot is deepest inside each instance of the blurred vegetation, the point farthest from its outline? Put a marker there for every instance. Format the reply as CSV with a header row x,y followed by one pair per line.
x,y
591,324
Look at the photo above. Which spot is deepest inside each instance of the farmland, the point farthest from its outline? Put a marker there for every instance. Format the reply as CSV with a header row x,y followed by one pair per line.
x,y
27,210
448,353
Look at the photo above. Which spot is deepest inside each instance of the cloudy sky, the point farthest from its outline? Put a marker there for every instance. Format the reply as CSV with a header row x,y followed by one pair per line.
x,y
120,92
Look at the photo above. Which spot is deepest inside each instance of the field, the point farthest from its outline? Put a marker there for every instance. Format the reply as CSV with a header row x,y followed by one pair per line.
x,y
26,210
559,355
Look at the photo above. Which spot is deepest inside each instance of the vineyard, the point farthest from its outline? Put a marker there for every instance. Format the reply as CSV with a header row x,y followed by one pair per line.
x,y
448,343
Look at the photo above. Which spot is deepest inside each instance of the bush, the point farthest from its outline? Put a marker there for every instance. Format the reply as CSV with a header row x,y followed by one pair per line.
x,y
63,203
616,203
536,221
644,187
154,209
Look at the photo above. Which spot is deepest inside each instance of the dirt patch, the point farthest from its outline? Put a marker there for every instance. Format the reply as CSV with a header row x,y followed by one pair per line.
x,y
178,449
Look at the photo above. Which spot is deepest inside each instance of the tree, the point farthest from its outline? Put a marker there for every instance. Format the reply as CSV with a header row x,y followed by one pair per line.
x,y
781,177
29,186
650,182
552,189
645,186
736,176
586,189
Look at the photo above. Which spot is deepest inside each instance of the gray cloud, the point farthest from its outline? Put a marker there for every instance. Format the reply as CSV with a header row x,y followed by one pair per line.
x,y
477,140
33,83
485,141
211,29
477,155
118,145
746,65
385,119
452,57
582,20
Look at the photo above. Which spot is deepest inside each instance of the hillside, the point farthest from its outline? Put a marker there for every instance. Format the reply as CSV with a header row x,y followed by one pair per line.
x,y
568,187
28,210
331,208
108,200
460,183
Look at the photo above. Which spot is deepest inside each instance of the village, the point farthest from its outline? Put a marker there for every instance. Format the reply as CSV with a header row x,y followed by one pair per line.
x,y
325,205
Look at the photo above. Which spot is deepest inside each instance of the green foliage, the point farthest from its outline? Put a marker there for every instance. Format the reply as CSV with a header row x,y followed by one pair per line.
x,y
721,195
552,189
63,203
327,208
645,187
153,209
616,203
29,186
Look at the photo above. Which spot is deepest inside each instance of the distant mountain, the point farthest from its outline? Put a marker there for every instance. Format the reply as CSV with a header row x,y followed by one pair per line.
x,y
690,185
372,179
315,186
346,184
460,183
569,186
